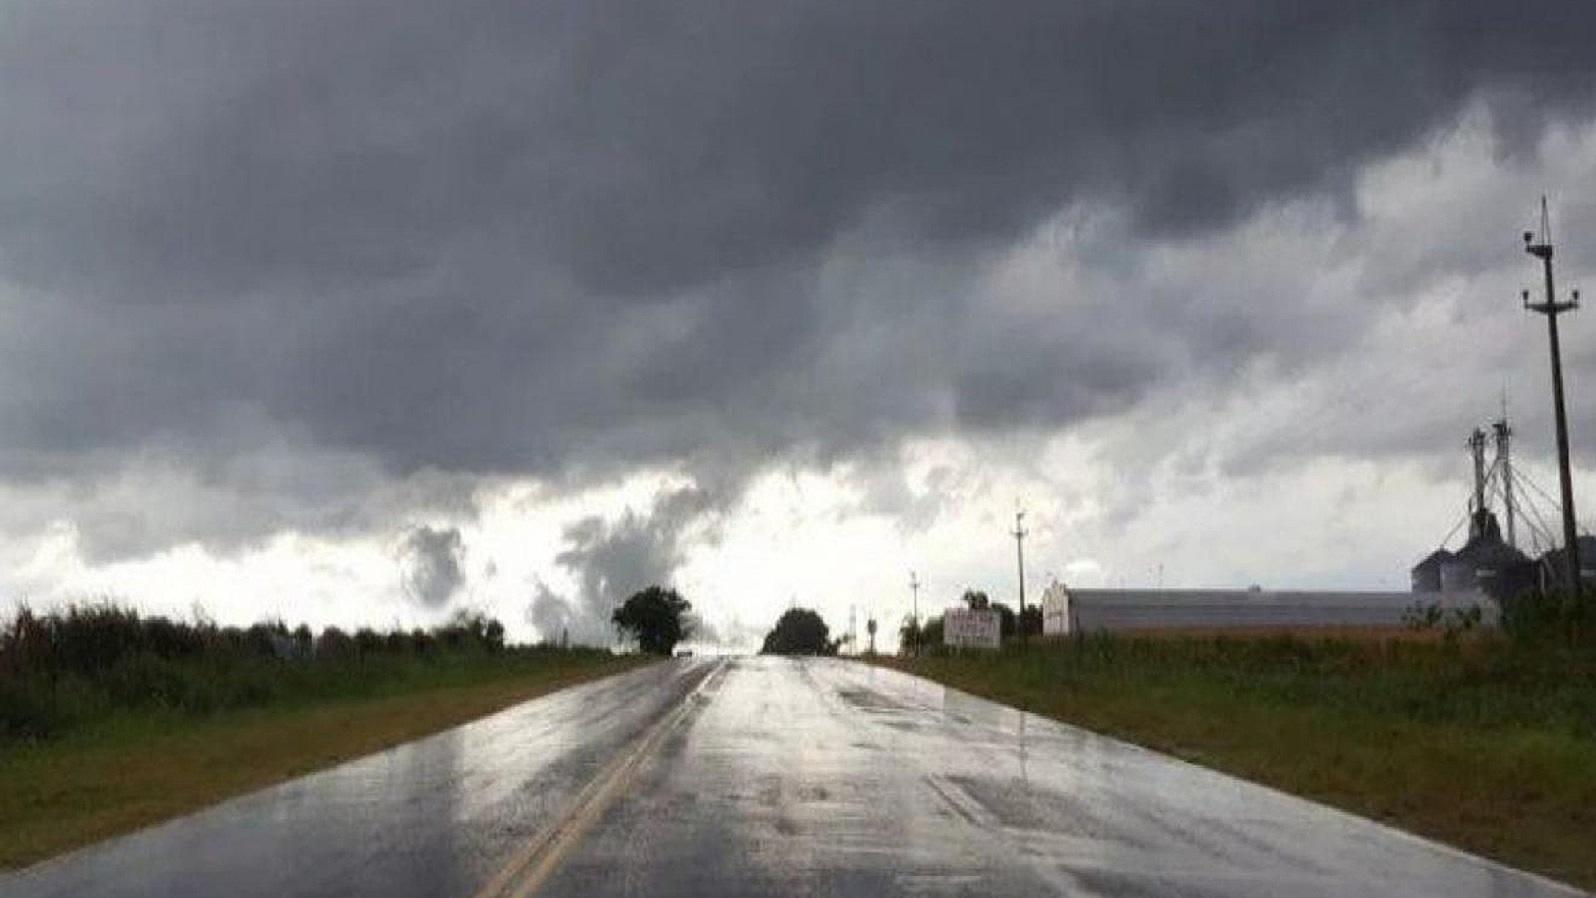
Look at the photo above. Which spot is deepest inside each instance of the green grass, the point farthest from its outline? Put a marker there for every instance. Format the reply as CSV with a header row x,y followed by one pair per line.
x,y
116,761
66,670
1485,744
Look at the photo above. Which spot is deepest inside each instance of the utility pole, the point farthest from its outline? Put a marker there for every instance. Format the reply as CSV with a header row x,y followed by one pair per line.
x,y
1019,551
1504,460
914,587
1541,248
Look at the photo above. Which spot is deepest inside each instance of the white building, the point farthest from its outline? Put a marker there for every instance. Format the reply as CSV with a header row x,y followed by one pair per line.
x,y
1067,610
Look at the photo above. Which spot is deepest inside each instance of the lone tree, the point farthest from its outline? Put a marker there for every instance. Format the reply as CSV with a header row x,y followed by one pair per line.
x,y
799,632
1031,620
656,617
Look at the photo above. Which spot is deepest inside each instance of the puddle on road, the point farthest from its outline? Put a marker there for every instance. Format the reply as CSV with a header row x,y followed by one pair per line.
x,y
869,700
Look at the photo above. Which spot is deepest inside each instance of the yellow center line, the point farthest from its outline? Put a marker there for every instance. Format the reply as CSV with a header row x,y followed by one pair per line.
x,y
530,867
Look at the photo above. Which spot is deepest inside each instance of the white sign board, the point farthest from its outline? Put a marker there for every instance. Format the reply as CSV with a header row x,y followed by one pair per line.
x,y
1055,610
964,628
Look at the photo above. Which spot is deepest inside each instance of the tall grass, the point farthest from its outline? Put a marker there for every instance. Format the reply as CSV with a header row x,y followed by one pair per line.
x,y
1535,618
1537,670
1485,681
66,670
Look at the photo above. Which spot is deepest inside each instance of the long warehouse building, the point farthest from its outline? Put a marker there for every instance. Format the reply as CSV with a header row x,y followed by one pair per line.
x,y
1071,610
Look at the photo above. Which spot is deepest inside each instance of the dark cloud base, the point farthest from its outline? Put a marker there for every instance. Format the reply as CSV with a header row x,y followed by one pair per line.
x,y
566,239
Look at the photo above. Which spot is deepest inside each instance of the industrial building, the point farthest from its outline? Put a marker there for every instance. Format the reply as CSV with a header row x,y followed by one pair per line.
x,y
1552,562
1488,570
1487,561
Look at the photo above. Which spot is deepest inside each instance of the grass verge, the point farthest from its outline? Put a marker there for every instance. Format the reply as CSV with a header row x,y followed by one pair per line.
x,y
139,767
1483,744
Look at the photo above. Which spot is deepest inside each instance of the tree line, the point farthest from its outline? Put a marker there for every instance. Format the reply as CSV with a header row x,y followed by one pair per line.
x,y
928,635
658,618
62,669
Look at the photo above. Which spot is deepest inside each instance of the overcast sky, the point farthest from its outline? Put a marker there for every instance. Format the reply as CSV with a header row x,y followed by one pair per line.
x,y
364,311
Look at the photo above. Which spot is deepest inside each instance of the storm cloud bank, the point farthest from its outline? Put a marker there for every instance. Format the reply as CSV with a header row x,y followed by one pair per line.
x,y
610,560
567,239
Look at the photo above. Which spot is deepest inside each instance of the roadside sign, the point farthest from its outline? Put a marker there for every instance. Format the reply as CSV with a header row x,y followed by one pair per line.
x,y
964,628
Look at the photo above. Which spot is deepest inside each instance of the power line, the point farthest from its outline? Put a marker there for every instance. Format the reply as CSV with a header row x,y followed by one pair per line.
x,y
1539,531
1525,478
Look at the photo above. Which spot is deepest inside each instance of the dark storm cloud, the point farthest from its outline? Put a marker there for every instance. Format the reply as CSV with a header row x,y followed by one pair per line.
x,y
613,559
553,238
432,565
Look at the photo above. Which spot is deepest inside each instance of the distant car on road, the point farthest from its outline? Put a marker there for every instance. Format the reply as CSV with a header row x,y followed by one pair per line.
x,y
684,653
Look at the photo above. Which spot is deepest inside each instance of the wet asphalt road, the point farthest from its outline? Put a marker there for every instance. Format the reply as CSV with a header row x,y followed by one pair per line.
x,y
768,776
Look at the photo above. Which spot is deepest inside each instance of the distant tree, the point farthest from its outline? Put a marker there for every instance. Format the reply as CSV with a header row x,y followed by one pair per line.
x,y
870,628
334,643
976,600
931,633
1006,619
422,642
1031,620
656,617
493,634
908,636
799,632
471,631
